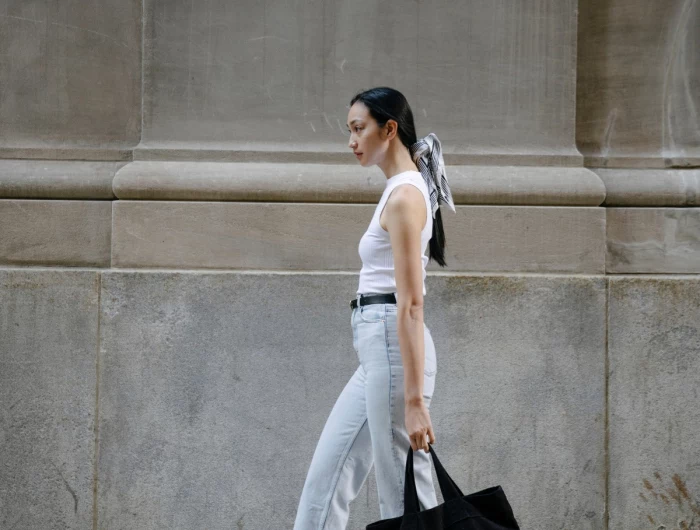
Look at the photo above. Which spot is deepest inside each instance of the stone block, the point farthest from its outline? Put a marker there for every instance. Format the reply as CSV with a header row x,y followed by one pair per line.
x,y
653,240
55,232
325,236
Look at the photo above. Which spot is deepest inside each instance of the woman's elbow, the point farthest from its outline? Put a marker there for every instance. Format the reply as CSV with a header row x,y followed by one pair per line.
x,y
413,308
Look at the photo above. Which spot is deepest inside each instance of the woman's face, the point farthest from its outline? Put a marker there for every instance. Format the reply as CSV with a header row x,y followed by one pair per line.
x,y
367,139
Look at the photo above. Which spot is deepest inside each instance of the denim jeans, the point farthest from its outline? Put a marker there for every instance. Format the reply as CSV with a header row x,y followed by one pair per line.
x,y
366,427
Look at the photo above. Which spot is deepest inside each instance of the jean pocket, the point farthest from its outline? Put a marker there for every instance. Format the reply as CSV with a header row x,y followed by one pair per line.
x,y
372,313
354,331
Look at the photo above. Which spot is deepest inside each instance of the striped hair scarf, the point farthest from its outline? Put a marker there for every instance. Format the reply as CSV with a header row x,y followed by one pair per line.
x,y
427,154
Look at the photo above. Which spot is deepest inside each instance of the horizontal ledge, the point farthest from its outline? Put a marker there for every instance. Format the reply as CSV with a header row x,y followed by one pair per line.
x,y
617,276
567,159
651,187
57,179
640,162
285,152
66,153
477,155
290,182
285,182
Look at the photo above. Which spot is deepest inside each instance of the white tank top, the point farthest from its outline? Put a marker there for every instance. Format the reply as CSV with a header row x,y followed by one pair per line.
x,y
377,273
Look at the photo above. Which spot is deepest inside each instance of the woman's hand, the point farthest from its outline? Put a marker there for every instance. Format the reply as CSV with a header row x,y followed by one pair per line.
x,y
419,426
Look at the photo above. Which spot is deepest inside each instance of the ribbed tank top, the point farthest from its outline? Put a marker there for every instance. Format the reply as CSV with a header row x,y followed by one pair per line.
x,y
377,273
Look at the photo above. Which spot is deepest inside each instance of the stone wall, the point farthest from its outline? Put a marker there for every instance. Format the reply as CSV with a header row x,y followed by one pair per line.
x,y
175,181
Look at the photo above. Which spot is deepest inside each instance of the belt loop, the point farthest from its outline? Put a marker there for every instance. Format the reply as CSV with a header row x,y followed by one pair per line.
x,y
358,299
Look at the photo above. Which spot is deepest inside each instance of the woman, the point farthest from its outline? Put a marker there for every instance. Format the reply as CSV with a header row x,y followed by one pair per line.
x,y
383,409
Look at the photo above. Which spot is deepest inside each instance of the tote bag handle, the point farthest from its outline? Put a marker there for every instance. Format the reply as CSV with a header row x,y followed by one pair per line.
x,y
448,487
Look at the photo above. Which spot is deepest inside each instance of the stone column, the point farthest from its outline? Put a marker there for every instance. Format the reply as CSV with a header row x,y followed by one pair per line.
x,y
638,126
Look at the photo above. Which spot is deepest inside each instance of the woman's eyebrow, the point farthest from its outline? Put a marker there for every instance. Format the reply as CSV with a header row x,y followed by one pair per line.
x,y
353,121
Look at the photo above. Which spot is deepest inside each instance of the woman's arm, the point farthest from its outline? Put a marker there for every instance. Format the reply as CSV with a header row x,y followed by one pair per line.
x,y
405,219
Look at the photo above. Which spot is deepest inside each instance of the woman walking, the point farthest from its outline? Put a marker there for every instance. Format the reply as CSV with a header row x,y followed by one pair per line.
x,y
383,409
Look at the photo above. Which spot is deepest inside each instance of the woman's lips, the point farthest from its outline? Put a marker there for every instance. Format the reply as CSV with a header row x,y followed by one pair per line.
x,y
358,155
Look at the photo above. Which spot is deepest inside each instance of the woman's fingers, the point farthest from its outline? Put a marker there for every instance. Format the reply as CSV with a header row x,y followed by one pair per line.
x,y
420,428
419,441
425,443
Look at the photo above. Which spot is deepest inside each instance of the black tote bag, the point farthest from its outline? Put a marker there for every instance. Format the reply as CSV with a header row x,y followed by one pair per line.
x,y
487,509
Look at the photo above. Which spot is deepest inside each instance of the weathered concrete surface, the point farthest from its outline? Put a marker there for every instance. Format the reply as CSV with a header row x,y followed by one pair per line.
x,y
71,74
283,75
57,179
55,232
220,181
654,389
48,350
324,236
658,240
215,388
638,77
522,382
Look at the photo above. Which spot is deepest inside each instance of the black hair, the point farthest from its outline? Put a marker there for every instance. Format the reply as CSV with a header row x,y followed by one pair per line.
x,y
386,103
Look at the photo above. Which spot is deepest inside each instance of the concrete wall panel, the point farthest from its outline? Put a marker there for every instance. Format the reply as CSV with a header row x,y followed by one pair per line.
x,y
215,388
654,389
48,353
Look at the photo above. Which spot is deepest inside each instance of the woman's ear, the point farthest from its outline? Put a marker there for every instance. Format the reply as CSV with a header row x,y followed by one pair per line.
x,y
392,129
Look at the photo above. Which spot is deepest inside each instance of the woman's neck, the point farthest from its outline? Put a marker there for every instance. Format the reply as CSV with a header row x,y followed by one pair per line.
x,y
397,160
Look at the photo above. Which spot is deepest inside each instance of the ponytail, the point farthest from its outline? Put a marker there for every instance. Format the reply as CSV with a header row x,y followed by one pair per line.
x,y
436,247
427,154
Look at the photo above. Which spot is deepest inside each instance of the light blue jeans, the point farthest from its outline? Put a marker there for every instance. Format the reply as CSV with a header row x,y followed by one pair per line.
x,y
366,427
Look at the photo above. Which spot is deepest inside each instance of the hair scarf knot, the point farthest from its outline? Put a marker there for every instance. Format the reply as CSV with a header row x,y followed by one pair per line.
x,y
427,155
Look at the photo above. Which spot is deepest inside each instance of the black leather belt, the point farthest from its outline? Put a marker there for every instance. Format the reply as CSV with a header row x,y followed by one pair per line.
x,y
389,298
